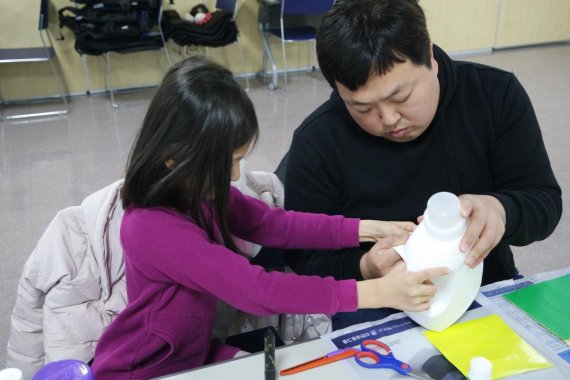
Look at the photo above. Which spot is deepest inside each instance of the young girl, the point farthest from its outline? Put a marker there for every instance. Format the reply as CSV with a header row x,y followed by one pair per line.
x,y
180,215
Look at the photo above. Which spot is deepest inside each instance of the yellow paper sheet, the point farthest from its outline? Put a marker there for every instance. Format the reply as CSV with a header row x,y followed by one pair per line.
x,y
491,338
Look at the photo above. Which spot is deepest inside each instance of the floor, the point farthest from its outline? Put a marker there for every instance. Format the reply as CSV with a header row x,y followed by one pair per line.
x,y
52,163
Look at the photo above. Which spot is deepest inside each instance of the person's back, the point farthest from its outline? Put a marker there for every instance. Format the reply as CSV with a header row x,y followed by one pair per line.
x,y
404,122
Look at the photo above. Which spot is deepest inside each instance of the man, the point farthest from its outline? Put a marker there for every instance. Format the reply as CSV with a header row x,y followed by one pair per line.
x,y
404,121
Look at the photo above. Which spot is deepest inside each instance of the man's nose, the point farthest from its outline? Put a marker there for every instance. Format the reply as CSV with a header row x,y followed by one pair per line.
x,y
390,118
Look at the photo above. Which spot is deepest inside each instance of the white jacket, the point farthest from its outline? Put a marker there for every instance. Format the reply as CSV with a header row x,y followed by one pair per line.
x,y
73,284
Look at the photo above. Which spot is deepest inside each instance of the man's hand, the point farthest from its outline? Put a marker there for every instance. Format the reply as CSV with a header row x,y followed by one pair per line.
x,y
382,257
487,219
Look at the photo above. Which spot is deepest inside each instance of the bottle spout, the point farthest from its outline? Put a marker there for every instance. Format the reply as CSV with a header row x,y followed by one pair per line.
x,y
442,218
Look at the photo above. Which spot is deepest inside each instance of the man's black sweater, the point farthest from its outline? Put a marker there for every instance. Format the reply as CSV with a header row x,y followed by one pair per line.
x,y
484,139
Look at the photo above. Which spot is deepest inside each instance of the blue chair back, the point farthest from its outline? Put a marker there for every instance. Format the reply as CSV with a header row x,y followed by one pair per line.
x,y
305,7
44,11
227,6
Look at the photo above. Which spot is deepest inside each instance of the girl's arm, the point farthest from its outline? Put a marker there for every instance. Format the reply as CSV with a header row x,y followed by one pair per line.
x,y
254,221
400,289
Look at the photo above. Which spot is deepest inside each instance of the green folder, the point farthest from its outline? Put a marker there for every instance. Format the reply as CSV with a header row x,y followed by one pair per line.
x,y
548,303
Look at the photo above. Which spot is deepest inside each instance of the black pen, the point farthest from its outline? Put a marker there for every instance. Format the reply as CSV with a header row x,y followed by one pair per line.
x,y
269,350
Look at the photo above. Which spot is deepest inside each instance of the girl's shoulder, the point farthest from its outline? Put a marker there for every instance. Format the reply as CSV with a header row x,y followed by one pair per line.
x,y
154,220
151,214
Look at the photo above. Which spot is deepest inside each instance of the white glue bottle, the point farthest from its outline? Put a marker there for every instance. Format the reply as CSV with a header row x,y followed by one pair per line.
x,y
435,243
480,369
11,374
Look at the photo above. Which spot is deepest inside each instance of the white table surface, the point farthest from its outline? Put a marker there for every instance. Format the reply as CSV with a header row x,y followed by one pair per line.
x,y
252,367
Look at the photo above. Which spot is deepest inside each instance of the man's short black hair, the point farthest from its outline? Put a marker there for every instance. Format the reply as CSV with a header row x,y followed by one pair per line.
x,y
362,38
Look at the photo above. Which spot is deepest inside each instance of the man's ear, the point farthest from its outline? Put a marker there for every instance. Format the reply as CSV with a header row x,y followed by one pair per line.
x,y
434,65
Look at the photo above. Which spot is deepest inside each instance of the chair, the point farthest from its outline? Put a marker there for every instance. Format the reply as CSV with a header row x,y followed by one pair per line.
x,y
45,53
232,7
122,27
297,33
220,31
151,46
71,287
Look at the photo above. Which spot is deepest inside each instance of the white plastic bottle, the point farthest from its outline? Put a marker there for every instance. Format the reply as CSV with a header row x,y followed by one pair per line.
x,y
435,243
480,369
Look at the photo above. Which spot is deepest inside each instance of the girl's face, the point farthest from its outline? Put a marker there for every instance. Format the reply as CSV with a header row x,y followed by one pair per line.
x,y
238,155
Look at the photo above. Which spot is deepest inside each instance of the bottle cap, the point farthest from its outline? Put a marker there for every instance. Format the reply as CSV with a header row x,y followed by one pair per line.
x,y
442,217
65,370
480,369
11,374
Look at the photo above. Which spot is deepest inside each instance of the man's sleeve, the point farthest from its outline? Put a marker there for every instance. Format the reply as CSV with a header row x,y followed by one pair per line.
x,y
525,182
313,184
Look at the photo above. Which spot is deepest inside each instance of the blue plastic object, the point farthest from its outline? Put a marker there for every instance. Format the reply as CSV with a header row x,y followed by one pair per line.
x,y
65,370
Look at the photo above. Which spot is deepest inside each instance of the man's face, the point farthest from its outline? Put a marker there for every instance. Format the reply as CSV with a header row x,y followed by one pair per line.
x,y
398,106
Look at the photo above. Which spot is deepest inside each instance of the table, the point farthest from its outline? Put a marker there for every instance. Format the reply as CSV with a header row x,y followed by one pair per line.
x,y
251,367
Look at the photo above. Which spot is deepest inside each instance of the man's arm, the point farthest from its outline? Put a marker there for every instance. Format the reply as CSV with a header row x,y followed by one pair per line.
x,y
313,184
526,184
530,198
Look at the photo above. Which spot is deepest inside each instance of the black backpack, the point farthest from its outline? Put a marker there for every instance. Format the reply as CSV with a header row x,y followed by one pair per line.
x,y
112,25
221,30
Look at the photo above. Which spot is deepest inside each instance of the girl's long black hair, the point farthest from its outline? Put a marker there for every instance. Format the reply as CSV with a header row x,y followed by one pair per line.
x,y
182,156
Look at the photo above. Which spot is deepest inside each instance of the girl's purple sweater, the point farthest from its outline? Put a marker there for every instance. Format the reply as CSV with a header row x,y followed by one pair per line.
x,y
175,275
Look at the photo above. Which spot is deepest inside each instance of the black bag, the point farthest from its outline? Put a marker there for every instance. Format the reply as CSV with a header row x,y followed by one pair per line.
x,y
85,44
118,4
221,30
112,25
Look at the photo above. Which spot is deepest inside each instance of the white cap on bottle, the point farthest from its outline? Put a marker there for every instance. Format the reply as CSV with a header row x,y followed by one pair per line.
x,y
11,374
441,217
480,369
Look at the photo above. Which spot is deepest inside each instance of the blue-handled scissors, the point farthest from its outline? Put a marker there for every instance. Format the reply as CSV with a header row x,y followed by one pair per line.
x,y
375,354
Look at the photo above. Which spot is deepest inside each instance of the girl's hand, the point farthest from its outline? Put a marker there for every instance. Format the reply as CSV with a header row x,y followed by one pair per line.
x,y
374,230
400,289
